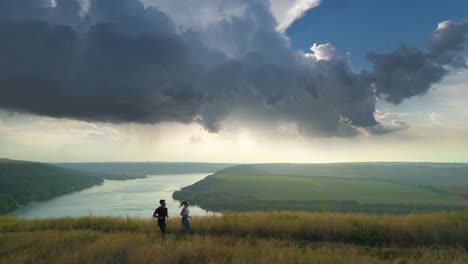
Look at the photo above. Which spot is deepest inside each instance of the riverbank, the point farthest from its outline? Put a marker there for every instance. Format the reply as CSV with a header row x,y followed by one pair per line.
x,y
135,198
26,182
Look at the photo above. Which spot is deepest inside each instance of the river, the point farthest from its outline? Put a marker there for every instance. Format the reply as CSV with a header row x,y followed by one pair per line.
x,y
131,198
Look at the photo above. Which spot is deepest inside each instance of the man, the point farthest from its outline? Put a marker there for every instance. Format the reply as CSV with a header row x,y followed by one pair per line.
x,y
161,214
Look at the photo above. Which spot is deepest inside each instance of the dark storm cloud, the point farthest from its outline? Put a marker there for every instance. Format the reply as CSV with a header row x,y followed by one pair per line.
x,y
124,67
409,71
404,73
449,42
121,62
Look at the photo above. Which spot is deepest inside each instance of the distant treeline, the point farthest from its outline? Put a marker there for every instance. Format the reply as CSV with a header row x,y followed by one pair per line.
x,y
425,173
22,182
141,169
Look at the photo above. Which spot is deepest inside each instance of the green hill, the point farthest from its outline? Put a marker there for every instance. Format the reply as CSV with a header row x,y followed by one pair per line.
x,y
341,187
23,181
258,237
438,174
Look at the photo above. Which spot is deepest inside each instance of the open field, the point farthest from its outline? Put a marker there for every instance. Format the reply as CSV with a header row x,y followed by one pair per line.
x,y
300,188
260,237
358,187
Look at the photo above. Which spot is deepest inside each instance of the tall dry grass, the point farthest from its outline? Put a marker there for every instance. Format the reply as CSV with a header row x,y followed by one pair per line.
x,y
124,247
412,230
261,237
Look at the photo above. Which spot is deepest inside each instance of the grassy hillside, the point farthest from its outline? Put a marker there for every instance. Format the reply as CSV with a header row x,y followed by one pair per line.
x,y
22,182
345,187
260,237
420,173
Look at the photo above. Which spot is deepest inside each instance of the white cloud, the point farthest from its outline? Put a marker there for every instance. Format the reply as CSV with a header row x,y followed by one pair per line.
x,y
286,12
443,25
202,13
435,117
386,115
322,52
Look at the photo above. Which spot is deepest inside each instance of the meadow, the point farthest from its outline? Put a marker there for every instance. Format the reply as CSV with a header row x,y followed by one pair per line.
x,y
295,188
353,187
256,237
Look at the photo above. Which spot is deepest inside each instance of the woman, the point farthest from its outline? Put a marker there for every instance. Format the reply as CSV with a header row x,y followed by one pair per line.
x,y
185,217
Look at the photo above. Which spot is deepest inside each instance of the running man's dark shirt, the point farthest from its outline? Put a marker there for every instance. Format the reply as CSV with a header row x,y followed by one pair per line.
x,y
162,214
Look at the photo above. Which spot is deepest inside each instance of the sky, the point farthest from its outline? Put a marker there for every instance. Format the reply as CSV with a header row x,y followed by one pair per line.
x,y
373,25
233,80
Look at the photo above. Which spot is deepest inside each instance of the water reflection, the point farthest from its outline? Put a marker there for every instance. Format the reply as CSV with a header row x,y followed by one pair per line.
x,y
131,198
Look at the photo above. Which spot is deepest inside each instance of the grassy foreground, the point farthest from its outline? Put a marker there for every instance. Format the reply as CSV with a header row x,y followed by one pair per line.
x,y
258,237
